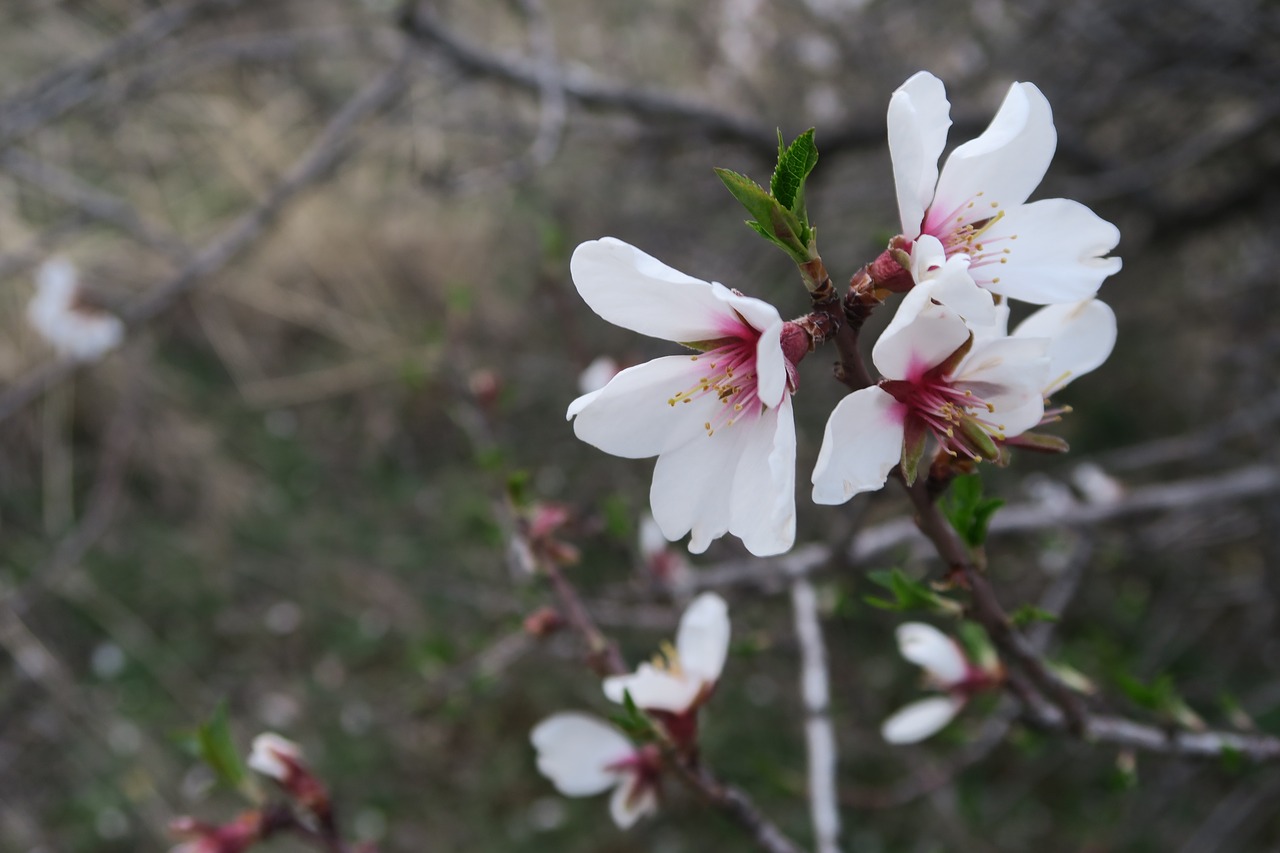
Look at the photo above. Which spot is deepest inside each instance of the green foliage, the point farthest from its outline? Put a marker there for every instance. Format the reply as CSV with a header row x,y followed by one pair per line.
x,y
968,511
633,721
1026,614
1161,698
977,645
909,594
779,213
213,744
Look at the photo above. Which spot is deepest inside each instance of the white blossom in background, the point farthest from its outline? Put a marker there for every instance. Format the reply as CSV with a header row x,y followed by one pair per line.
x,y
719,421
676,683
1046,252
583,755
947,670
967,392
73,329
661,562
597,374
274,756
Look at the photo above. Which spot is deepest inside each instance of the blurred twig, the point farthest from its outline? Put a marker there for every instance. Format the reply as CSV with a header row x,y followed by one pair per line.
x,y
820,737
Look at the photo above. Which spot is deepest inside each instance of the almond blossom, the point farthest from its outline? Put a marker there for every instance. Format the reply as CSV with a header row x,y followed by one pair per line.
x,y
1046,252
72,328
583,755
947,669
676,683
967,392
274,757
719,421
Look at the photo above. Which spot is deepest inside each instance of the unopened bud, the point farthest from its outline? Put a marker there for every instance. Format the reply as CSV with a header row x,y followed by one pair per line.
x,y
275,757
543,622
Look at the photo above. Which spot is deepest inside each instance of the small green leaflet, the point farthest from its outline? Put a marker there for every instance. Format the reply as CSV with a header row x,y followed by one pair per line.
x,y
908,594
216,748
795,162
779,213
968,511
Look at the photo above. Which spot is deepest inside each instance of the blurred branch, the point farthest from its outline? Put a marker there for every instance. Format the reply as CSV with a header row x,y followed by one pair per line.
x,y
317,162
820,738
61,89
1193,493
90,201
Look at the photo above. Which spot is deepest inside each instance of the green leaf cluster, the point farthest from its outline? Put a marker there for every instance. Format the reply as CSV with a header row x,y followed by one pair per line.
x,y
212,743
968,511
1160,697
779,213
909,594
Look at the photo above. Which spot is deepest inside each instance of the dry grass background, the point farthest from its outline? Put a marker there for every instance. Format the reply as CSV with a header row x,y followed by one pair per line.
x,y
282,491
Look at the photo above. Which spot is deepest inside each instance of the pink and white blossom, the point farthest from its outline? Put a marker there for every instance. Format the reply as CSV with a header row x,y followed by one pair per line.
x,y
719,420
948,670
940,380
274,757
679,680
583,755
58,315
1046,252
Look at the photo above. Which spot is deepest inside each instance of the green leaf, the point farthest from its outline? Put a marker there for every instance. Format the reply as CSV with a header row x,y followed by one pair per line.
x,y
217,749
1162,698
977,645
968,511
1028,613
908,594
632,720
795,162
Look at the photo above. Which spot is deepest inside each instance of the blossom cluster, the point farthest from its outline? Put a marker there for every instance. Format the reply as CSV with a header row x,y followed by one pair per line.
x,y
719,419
583,755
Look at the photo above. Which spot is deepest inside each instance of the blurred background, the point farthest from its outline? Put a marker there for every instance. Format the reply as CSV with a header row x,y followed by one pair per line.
x,y
341,233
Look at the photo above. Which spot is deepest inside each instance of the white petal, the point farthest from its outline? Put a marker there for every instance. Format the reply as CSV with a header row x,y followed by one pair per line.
x,y
56,281
998,170
762,502
632,800
633,417
267,755
636,291
703,639
927,647
947,281
654,689
760,315
925,336
861,444
919,117
693,485
575,751
652,542
1008,373
915,722
1081,337
1059,254
771,365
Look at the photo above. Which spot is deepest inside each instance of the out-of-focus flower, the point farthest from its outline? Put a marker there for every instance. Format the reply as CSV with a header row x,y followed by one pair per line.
x,y
597,374
583,755
663,564
235,837
720,421
57,314
948,670
1047,251
968,393
275,757
678,681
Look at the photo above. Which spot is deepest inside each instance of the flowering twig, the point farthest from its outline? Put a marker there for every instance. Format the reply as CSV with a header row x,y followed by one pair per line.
x,y
820,739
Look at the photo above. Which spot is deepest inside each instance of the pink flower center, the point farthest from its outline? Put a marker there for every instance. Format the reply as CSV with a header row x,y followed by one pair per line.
x,y
727,370
957,417
964,230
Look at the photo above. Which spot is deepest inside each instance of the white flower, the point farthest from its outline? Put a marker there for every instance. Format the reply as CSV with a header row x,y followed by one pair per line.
x,y
684,677
583,755
274,756
71,328
947,669
1045,252
720,421
940,379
